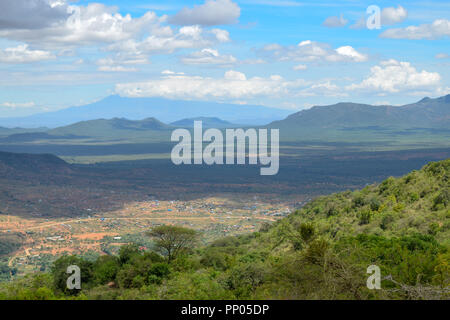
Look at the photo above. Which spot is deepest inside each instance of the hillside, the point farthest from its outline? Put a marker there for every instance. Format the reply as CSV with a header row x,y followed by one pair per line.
x,y
116,127
427,113
321,251
139,108
11,131
427,119
18,163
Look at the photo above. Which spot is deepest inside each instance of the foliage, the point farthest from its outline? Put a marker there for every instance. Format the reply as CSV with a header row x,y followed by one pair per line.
x,y
322,251
173,240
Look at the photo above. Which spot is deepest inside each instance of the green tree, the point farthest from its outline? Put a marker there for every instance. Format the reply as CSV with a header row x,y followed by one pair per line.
x,y
105,269
60,275
173,240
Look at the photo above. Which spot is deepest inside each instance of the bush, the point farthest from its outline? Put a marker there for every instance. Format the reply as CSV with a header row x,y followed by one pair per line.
x,y
364,217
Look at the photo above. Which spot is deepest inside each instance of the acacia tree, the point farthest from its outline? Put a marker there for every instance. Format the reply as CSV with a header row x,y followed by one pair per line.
x,y
173,240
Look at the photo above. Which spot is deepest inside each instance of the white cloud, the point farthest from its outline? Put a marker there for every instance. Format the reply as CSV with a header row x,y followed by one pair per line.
x,y
91,24
121,62
350,53
235,75
186,38
300,67
209,56
233,86
21,54
442,56
116,69
323,88
212,12
312,51
170,72
438,29
391,15
221,35
335,22
14,105
393,76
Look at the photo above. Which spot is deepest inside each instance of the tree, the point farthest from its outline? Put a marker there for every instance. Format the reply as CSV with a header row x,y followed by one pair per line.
x,y
105,269
60,275
173,240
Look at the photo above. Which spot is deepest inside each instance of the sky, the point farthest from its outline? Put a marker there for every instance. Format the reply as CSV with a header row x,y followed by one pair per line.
x,y
287,54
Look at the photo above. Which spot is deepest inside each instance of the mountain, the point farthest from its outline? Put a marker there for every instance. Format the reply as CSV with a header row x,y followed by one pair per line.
x,y
207,122
139,108
427,113
11,131
116,127
17,164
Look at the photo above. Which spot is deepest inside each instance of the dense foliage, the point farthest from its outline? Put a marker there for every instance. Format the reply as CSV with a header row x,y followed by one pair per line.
x,y
319,252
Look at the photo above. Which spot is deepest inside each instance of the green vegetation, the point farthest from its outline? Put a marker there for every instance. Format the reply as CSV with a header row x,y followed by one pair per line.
x,y
319,252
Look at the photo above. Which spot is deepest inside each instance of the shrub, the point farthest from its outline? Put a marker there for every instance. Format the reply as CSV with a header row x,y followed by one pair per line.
x,y
364,217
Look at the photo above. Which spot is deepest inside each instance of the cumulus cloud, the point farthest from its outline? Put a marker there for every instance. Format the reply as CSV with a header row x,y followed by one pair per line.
x,y
209,56
21,54
221,35
438,29
393,76
31,14
335,22
350,53
233,86
212,12
312,51
91,24
186,38
391,15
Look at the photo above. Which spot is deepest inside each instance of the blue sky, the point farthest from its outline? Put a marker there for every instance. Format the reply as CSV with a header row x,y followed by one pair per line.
x,y
287,54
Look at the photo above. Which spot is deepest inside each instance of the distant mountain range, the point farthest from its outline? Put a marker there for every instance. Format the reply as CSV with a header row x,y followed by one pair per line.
x,y
140,108
427,113
339,122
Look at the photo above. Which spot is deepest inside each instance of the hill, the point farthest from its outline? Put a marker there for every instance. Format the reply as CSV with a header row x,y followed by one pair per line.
x,y
321,251
353,121
112,128
139,108
427,113
15,163
11,131
207,122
